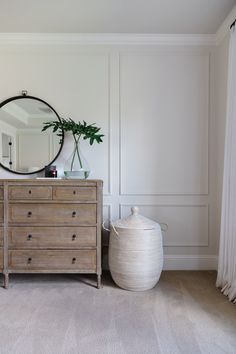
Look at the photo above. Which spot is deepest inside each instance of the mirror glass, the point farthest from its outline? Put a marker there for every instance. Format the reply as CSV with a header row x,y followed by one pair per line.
x,y
24,148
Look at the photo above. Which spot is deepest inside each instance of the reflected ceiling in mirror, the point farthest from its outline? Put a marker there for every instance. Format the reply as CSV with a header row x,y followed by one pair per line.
x,y
24,148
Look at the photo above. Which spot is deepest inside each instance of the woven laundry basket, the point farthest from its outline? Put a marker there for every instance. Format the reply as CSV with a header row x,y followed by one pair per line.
x,y
135,252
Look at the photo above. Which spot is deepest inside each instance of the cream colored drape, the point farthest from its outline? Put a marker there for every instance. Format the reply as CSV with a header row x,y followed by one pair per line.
x,y
226,278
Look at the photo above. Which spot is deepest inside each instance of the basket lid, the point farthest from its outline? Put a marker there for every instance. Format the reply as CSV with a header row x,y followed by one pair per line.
x,y
136,221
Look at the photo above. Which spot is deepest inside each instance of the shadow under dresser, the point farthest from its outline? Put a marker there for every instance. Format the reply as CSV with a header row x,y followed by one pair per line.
x,y
50,226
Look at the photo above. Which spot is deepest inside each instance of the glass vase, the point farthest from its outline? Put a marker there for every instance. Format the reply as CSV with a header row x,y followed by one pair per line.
x,y
76,166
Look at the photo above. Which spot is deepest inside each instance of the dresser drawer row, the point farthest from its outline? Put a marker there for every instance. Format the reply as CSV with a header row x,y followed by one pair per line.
x,y
29,260
69,193
52,237
58,214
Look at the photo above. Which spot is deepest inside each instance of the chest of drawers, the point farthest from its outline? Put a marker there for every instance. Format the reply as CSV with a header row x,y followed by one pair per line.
x,y
50,226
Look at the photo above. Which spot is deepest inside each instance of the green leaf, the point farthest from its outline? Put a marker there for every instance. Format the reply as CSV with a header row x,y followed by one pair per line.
x,y
87,131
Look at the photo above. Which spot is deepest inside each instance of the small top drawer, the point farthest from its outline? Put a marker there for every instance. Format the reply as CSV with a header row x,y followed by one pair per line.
x,y
74,193
30,192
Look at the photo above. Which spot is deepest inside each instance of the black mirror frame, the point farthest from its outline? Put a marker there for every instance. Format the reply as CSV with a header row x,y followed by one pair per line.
x,y
62,137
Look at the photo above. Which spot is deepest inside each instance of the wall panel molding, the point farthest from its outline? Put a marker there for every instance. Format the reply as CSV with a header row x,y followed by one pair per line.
x,y
84,82
143,60
109,182
186,228
190,262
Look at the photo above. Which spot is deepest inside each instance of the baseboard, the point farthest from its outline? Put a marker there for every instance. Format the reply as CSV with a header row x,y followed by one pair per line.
x,y
190,262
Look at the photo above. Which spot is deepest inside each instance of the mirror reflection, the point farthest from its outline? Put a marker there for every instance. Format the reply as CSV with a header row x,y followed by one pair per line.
x,y
24,148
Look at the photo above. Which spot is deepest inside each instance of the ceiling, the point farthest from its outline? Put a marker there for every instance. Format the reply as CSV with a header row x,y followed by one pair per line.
x,y
114,16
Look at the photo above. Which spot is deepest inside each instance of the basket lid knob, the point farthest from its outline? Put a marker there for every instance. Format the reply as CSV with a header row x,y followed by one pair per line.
x,y
134,210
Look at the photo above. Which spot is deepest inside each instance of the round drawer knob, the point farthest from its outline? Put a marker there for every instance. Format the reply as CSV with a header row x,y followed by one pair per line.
x,y
73,260
73,237
74,192
29,260
29,214
29,237
74,214
30,192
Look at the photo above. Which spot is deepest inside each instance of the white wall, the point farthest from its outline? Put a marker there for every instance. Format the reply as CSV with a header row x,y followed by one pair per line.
x,y
221,67
155,105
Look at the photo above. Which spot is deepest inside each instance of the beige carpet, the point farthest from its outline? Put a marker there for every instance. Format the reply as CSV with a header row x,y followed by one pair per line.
x,y
55,314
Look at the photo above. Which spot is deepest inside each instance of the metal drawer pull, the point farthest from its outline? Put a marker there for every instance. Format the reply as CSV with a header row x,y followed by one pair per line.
x,y
30,192
73,214
73,237
29,214
73,260
74,192
29,260
29,237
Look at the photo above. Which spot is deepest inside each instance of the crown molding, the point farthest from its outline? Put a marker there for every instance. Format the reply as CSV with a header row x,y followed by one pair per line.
x,y
224,28
119,38
105,39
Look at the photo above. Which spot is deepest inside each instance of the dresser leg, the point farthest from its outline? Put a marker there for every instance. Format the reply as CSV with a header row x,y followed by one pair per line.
x,y
6,281
99,285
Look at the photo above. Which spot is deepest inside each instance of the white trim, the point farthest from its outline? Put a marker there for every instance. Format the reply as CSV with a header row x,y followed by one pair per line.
x,y
224,28
105,39
190,262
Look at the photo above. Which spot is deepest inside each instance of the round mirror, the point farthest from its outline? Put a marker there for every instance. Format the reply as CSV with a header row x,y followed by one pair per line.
x,y
24,148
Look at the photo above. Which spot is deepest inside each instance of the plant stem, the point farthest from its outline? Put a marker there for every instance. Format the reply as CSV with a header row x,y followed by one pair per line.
x,y
72,161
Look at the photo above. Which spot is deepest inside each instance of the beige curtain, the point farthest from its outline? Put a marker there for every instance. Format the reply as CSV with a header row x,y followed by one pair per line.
x,y
226,278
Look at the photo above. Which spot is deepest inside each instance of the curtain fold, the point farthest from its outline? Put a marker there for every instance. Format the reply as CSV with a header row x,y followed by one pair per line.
x,y
226,278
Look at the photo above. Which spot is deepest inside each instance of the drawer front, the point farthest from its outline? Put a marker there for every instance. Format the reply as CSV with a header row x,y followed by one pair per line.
x,y
30,192
1,258
81,260
1,237
71,214
52,237
1,212
75,193
1,192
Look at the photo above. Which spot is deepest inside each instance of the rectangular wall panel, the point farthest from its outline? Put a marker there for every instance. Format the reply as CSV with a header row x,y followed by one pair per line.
x,y
153,105
186,225
164,123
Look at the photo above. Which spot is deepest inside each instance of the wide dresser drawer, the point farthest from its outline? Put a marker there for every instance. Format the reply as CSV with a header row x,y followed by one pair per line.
x,y
74,193
33,260
31,213
1,237
29,192
52,237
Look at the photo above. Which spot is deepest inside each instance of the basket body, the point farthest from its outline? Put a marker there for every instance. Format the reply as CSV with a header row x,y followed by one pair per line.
x,y
135,257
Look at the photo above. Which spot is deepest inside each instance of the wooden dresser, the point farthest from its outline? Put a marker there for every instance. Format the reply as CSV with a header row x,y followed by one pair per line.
x,y
50,226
